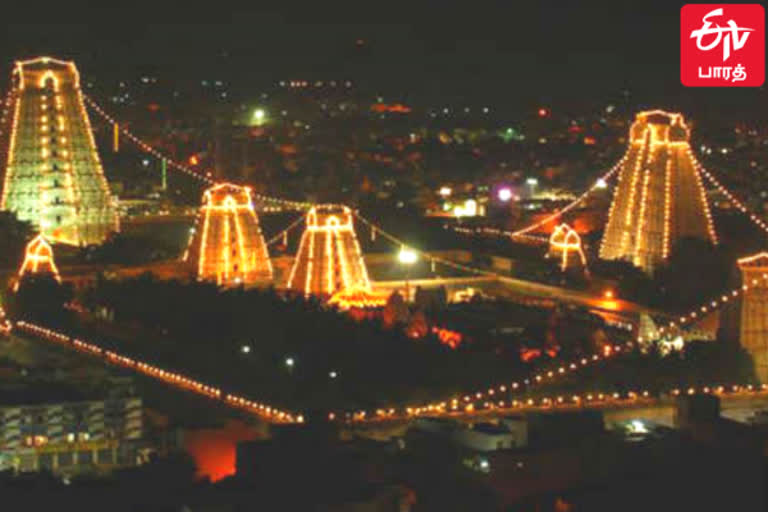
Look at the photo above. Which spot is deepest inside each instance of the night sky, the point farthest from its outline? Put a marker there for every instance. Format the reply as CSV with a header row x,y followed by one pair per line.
x,y
506,54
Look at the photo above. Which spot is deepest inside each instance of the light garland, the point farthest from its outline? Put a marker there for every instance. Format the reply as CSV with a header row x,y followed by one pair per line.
x,y
174,164
175,379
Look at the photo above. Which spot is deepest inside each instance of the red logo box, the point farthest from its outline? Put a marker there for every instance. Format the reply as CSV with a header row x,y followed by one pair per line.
x,y
722,45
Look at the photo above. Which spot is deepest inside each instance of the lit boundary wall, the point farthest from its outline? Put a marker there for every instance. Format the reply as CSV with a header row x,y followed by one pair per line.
x,y
329,258
53,176
660,197
229,248
753,331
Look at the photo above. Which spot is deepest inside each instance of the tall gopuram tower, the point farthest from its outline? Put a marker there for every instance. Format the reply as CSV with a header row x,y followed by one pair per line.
x,y
228,246
660,197
329,257
53,177
753,329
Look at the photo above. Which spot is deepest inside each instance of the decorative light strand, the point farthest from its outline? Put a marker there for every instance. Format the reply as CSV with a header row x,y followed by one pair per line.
x,y
175,379
286,203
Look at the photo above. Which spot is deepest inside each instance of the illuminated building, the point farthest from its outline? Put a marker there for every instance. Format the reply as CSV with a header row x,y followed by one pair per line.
x,y
565,244
660,197
753,330
329,257
227,244
70,433
38,259
53,176
358,298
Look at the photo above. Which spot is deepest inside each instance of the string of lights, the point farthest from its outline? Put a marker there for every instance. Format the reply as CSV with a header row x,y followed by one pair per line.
x,y
591,400
489,397
177,380
430,257
741,206
709,307
282,234
179,166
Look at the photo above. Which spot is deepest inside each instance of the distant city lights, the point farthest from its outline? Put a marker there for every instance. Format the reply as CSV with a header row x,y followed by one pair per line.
x,y
445,191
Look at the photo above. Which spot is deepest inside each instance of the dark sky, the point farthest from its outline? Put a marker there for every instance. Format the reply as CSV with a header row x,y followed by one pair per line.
x,y
513,52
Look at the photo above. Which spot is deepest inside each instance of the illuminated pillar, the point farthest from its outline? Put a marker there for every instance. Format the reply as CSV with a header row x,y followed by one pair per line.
x,y
230,248
115,137
164,173
54,177
753,331
660,197
329,258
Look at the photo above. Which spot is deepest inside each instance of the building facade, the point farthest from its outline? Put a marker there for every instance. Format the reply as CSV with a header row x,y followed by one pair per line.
x,y
69,437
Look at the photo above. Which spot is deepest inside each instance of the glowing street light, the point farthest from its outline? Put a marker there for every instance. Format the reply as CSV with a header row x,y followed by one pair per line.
x,y
245,349
407,257
289,362
601,183
332,374
505,194
445,191
259,116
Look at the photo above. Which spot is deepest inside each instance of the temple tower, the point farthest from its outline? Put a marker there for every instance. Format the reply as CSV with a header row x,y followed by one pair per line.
x,y
227,245
660,197
753,330
53,177
329,257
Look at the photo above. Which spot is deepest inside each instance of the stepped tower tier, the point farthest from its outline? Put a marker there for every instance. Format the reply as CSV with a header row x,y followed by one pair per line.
x,y
329,257
53,177
228,246
660,197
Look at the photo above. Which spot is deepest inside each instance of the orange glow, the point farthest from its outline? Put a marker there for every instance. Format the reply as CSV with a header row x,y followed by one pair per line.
x,y
395,107
214,448
448,337
193,160
359,299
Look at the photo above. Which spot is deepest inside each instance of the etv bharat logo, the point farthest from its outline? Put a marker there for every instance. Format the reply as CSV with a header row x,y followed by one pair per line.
x,y
722,45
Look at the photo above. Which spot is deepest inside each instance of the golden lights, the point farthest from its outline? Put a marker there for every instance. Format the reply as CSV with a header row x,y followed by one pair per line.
x,y
38,258
563,242
329,258
660,197
230,249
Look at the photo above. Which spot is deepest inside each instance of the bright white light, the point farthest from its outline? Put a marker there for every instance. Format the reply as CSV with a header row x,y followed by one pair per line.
x,y
289,362
532,181
245,349
601,183
637,427
484,464
445,191
259,115
407,256
505,194
333,374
